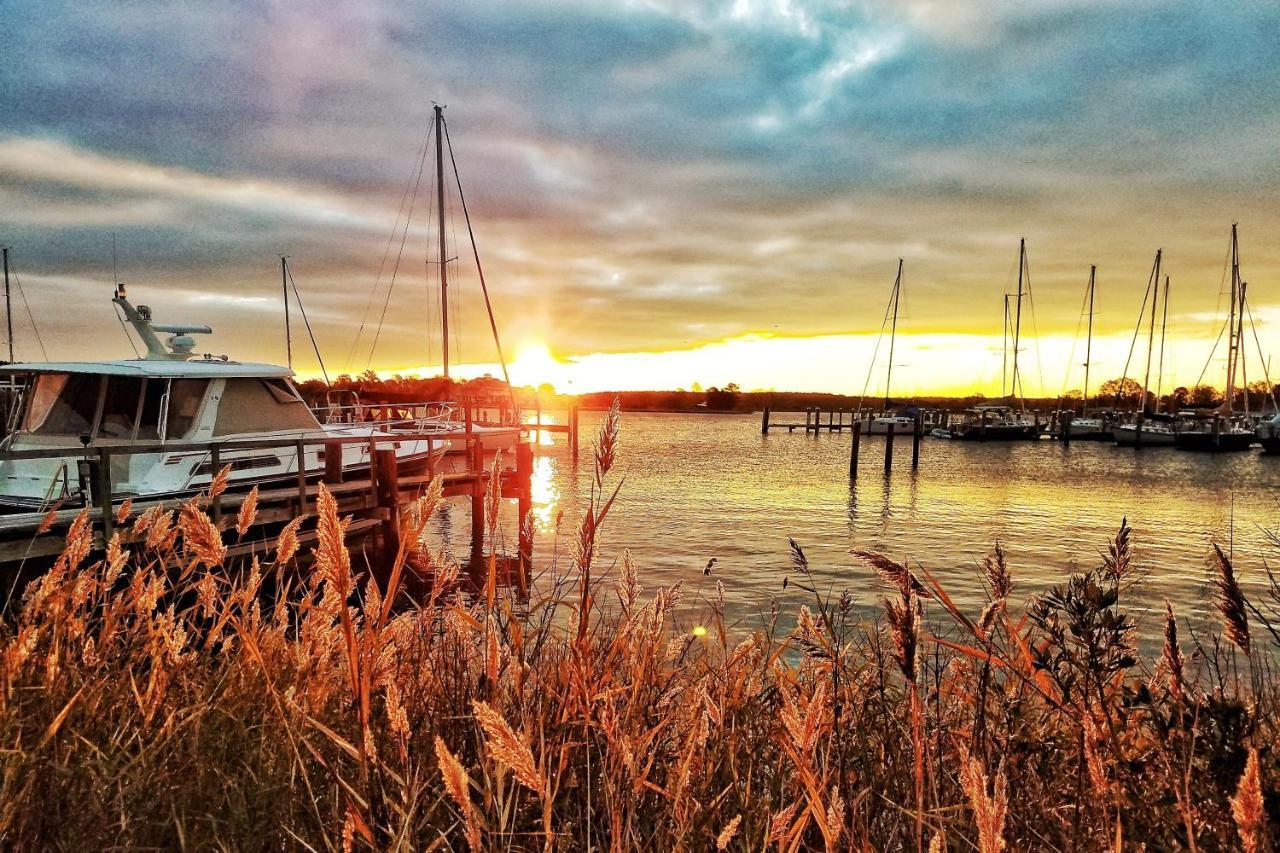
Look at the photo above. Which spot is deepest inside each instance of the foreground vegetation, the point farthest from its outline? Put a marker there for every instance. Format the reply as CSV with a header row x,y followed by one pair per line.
x,y
155,699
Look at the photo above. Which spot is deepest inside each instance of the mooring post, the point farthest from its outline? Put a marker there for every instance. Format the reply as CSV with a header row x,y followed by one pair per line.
x,y
1064,423
467,419
1137,432
475,456
387,496
1217,431
573,430
888,449
853,450
524,476
915,440
537,435
215,465
102,485
982,430
764,421
333,462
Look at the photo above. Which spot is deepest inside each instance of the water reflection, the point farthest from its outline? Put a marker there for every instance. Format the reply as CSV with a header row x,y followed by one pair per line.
x,y
545,492
541,437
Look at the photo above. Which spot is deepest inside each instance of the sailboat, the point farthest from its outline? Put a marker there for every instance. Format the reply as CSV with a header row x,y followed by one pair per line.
x,y
1086,427
1146,428
881,424
1002,422
436,415
1223,430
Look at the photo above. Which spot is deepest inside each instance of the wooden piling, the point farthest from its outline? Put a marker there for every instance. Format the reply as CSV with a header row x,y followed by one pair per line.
x,y
888,449
524,476
916,433
387,495
853,450
302,475
573,430
1065,425
475,456
1137,432
764,421
332,462
102,491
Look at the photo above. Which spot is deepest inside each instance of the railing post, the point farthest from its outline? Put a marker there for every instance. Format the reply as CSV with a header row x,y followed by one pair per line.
x,y
573,429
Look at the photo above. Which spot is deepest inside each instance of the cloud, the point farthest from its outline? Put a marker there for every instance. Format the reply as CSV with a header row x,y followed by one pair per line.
x,y
644,174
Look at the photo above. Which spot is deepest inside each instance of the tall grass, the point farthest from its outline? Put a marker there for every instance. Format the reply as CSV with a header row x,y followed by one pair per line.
x,y
160,698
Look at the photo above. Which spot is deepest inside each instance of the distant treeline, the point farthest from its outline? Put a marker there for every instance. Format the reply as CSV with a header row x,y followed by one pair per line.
x,y
1114,393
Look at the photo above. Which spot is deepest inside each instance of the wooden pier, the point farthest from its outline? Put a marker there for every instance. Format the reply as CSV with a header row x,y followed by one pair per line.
x,y
372,497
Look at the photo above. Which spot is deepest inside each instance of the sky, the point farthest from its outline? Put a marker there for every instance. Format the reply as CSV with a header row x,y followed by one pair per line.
x,y
662,193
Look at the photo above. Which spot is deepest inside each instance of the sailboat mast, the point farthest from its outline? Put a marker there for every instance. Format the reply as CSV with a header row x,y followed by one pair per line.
x,y
1004,351
288,330
1232,341
443,257
893,334
1164,326
1243,362
1088,345
8,305
1017,316
1151,333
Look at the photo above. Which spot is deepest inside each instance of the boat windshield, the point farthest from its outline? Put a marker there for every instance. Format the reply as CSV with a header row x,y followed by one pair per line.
x,y
112,407
62,404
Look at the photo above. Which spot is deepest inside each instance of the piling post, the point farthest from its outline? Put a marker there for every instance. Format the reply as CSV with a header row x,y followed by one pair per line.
x,y
764,421
537,435
1064,423
387,494
573,430
831,420
1137,433
102,489
853,450
916,433
888,449
982,429
1217,431
302,476
333,462
524,474
475,456
215,465
467,419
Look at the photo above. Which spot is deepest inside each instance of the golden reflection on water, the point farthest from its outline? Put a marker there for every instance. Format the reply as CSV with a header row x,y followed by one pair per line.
x,y
544,493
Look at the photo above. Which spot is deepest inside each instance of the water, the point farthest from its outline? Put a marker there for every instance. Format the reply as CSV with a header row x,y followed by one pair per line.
x,y
702,486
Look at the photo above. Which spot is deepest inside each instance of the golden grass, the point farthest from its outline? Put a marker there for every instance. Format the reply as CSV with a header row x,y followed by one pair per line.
x,y
160,698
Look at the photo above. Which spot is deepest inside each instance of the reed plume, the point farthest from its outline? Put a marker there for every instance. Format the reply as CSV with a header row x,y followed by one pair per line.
x,y
1248,808
990,805
1229,601
248,513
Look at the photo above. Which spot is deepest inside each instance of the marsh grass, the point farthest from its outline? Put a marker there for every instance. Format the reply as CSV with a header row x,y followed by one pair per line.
x,y
159,698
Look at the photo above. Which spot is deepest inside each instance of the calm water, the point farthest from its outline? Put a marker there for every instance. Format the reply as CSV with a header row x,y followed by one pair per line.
x,y
703,486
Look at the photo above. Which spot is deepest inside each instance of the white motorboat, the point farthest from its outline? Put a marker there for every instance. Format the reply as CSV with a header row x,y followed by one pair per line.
x,y
879,425
1153,433
169,397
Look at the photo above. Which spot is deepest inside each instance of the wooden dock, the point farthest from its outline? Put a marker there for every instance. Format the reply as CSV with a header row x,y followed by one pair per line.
x,y
372,497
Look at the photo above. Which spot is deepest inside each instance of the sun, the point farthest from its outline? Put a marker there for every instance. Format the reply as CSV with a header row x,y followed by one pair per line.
x,y
535,365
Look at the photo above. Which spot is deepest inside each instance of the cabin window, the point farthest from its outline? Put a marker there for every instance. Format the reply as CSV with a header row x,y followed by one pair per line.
x,y
253,405
185,397
120,407
282,390
63,404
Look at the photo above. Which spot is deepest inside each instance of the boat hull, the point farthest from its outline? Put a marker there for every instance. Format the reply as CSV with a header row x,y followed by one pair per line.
x,y
997,432
1129,437
1207,442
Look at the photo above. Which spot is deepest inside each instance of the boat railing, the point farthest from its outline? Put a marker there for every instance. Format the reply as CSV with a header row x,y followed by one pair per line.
x,y
426,414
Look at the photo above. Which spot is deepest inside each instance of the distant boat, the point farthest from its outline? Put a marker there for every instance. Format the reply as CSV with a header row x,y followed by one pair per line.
x,y
1225,430
1146,428
881,424
1082,427
1002,422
